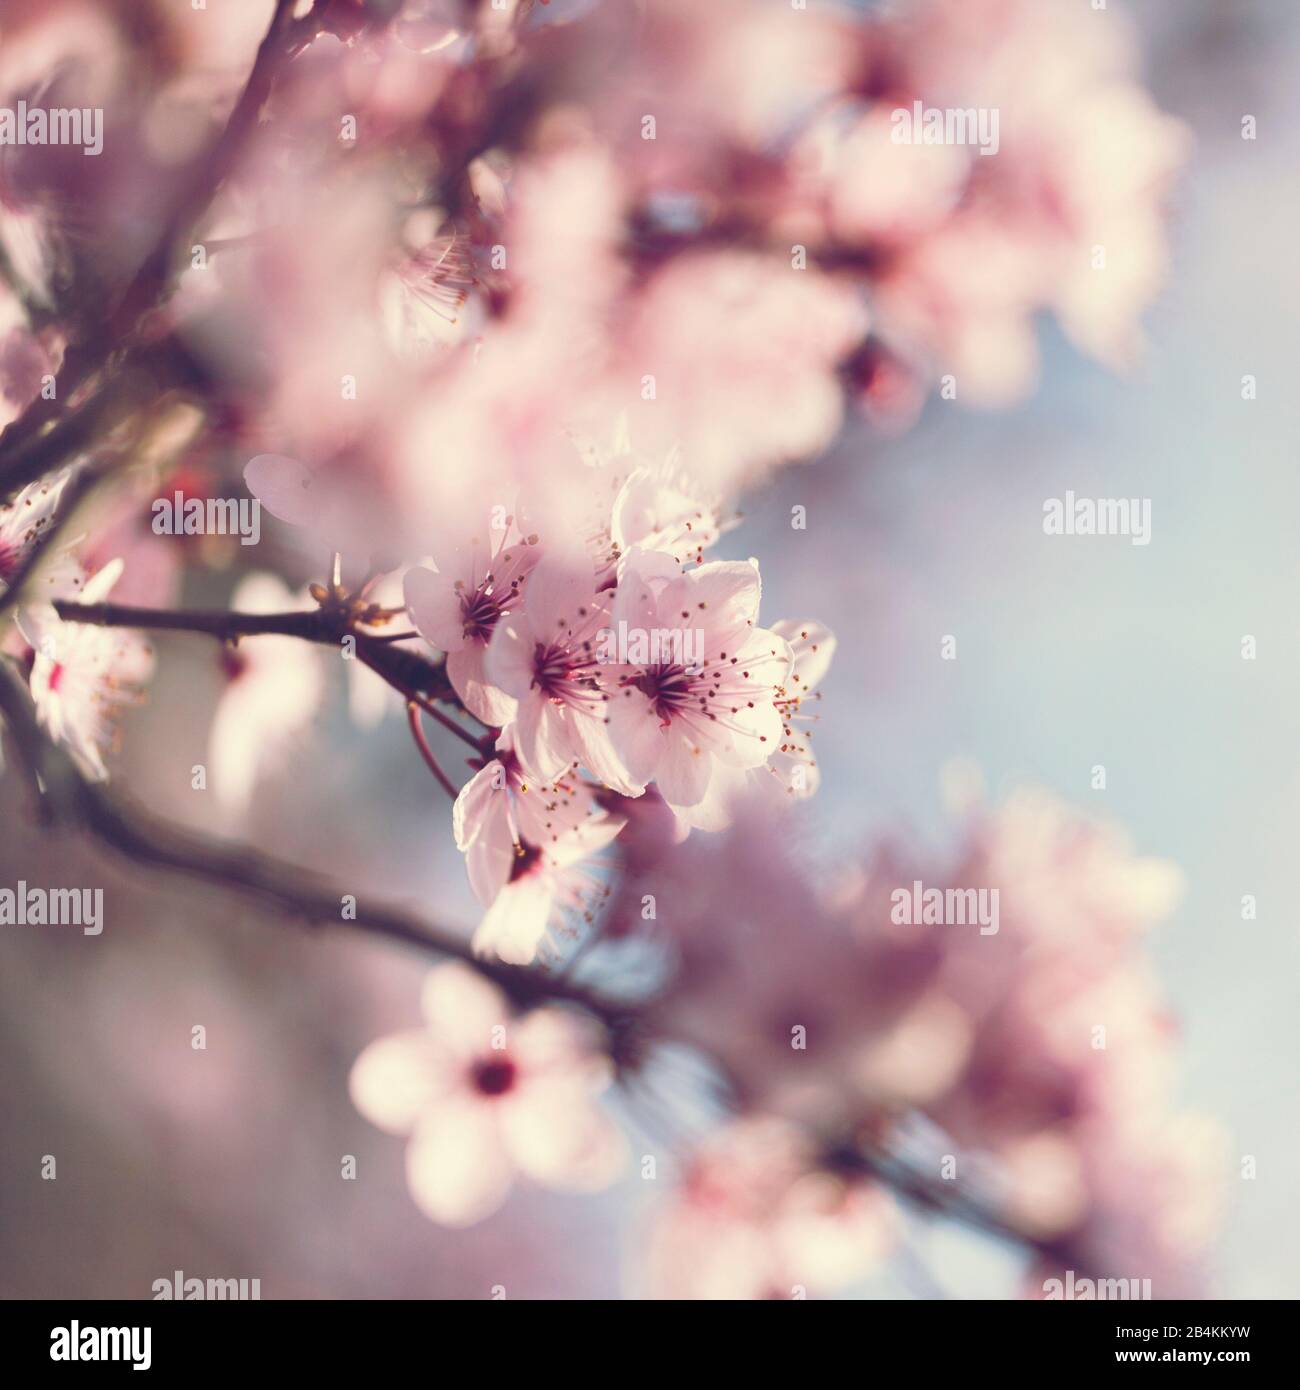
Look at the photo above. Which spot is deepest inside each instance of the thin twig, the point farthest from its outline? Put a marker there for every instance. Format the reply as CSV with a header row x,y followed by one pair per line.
x,y
422,743
370,657
409,673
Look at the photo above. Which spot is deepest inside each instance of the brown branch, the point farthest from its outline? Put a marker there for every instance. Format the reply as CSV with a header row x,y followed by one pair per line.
x,y
422,743
312,624
408,672
144,839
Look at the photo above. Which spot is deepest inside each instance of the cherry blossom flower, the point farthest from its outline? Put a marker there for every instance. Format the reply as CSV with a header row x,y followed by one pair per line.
x,y
82,675
22,524
813,646
641,502
661,509
744,351
485,1097
522,840
673,720
545,655
754,1218
424,293
791,769
457,606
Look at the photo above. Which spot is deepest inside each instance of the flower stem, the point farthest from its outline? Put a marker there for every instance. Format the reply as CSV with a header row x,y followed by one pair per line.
x,y
422,743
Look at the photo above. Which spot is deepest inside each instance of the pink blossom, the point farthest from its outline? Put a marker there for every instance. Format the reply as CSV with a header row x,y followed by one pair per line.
x,y
521,839
485,1097
545,654
743,349
22,523
457,606
754,1218
673,721
83,675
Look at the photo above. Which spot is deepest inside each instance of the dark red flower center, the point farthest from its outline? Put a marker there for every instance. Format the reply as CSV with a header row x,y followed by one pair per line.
x,y
494,1078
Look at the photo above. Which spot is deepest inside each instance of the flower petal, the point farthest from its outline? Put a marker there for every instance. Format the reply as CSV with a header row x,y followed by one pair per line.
x,y
435,608
457,1167
395,1079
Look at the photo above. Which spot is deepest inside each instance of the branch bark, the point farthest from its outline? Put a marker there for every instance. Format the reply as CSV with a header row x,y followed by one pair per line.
x,y
73,800
405,670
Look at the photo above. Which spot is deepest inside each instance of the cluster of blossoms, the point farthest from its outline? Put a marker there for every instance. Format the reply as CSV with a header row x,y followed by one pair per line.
x,y
623,666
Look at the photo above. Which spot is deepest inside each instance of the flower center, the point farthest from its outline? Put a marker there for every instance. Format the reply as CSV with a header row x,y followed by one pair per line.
x,y
494,1078
565,674
668,688
479,615
233,662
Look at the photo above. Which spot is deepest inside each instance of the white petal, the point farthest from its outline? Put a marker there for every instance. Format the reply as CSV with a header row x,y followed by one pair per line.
x,y
285,487
456,1163
479,696
541,738
396,1078
684,772
509,660
557,589
637,733
462,1008
559,1138
594,748
435,608
515,925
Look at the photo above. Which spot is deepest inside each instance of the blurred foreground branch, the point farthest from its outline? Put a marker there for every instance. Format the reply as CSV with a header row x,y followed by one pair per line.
x,y
31,447
71,799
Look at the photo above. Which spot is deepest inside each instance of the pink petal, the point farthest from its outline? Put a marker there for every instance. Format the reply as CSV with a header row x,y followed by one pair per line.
x,y
457,1166
395,1080
559,1138
285,487
479,695
684,771
462,1008
509,661
435,608
636,732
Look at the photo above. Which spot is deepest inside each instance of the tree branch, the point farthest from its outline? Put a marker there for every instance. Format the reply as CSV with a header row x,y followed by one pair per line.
x,y
406,671
74,800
